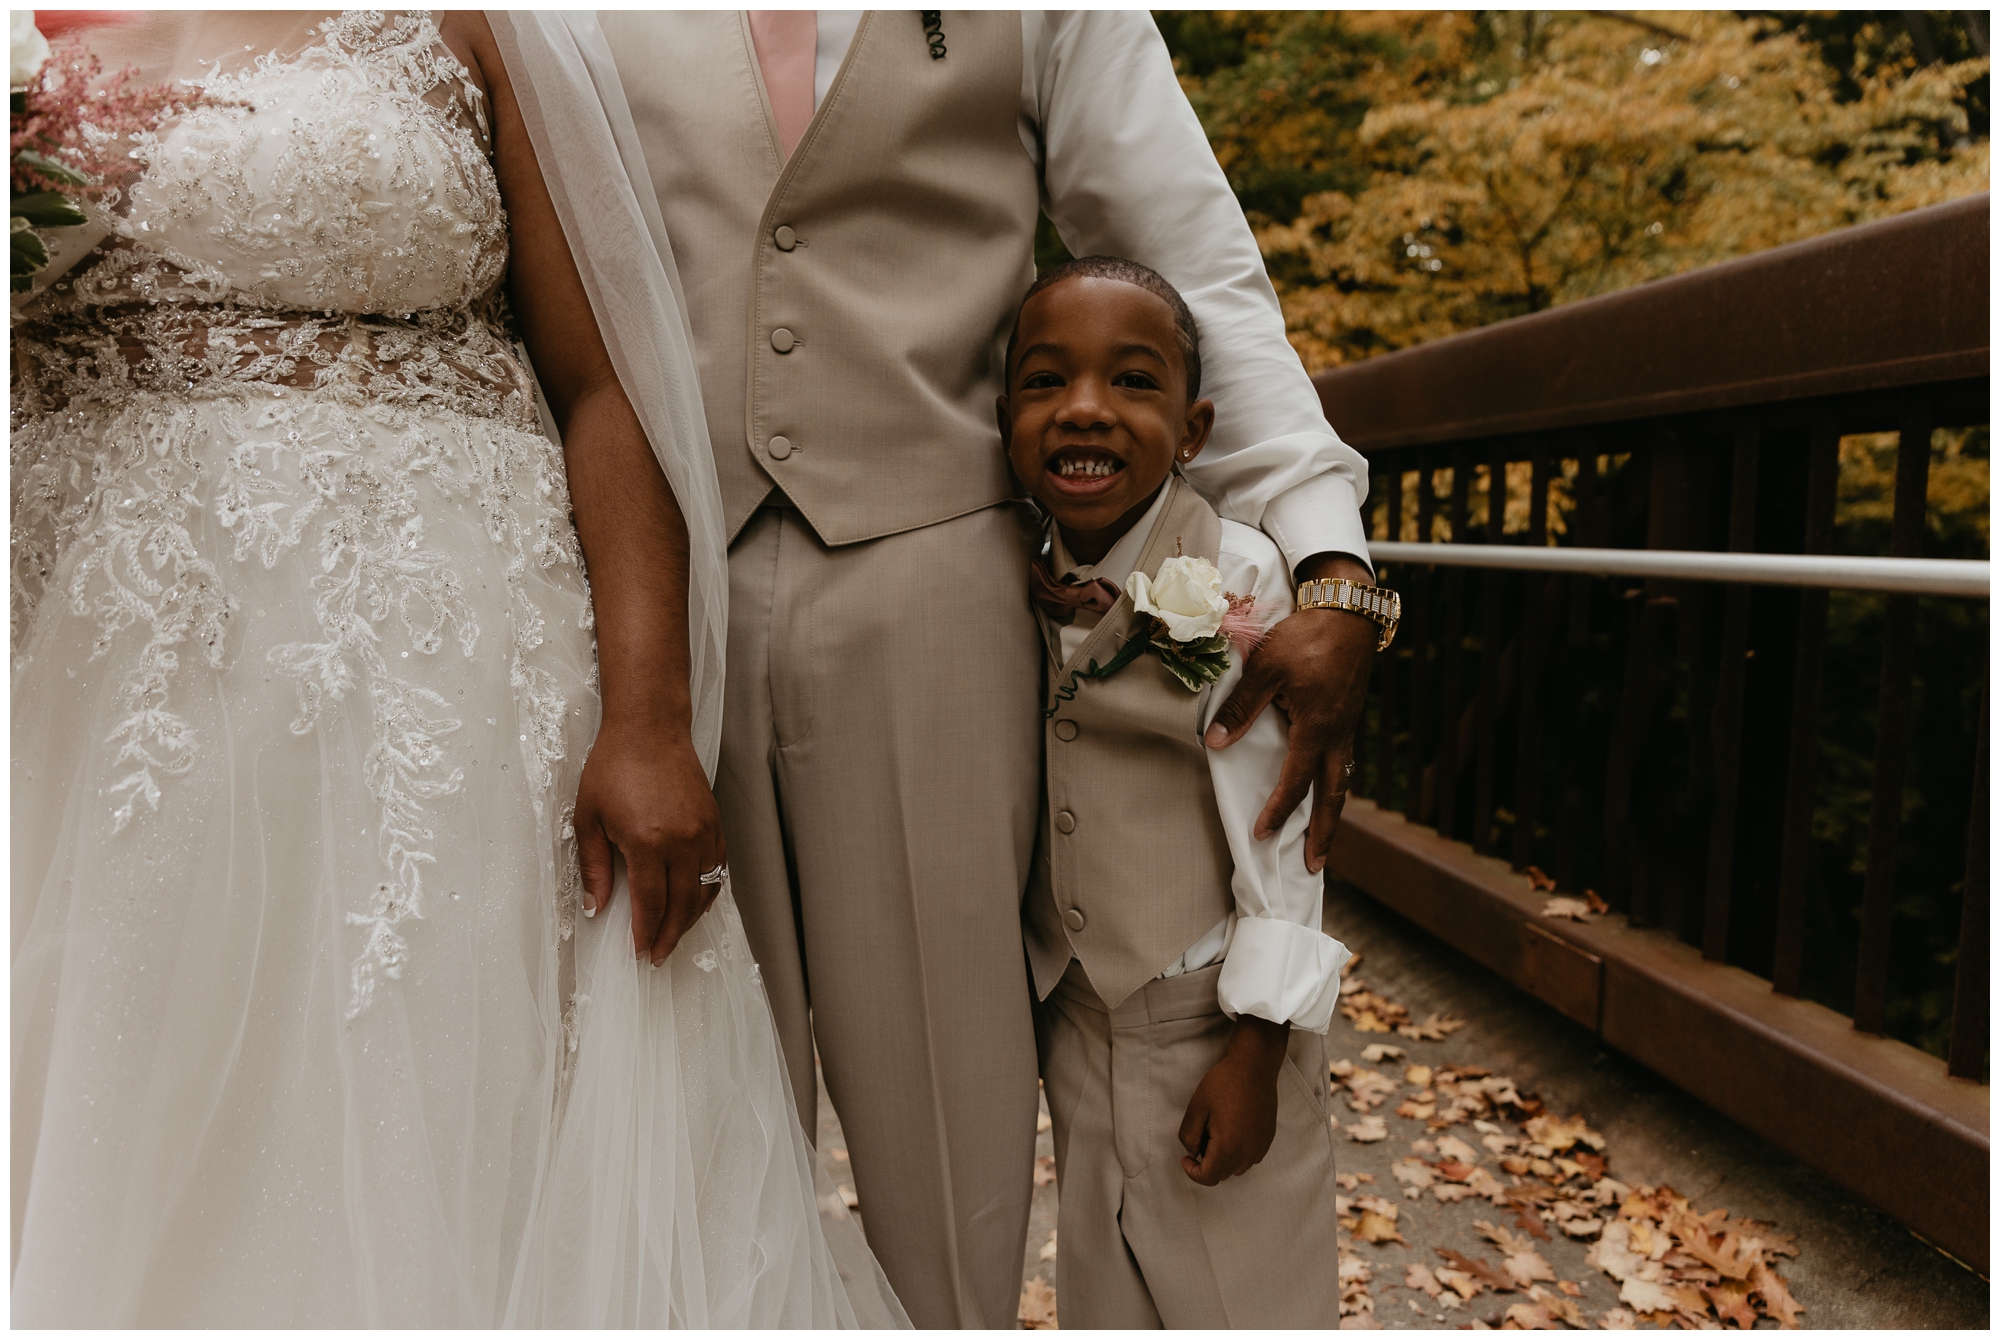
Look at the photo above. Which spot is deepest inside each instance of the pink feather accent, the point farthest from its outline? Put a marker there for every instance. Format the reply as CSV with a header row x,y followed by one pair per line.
x,y
1247,622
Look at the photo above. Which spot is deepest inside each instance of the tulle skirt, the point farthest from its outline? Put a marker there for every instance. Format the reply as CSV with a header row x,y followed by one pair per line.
x,y
305,1030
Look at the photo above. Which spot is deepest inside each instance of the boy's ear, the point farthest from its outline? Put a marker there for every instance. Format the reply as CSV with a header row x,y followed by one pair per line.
x,y
1194,432
1006,422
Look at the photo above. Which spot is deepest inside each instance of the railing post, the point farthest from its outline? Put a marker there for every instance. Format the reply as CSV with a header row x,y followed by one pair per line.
x,y
1685,490
1453,703
1589,526
1419,587
1650,632
1892,716
1726,723
1594,529
1802,772
1485,725
1386,672
1967,1059
1527,754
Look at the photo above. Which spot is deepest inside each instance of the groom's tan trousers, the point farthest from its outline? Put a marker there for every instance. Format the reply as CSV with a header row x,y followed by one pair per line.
x,y
879,782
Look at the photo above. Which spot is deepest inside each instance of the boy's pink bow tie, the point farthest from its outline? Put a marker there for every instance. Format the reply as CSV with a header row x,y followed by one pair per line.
x,y
1061,600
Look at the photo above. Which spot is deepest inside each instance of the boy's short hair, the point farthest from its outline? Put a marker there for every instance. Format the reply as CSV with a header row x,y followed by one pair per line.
x,y
1125,272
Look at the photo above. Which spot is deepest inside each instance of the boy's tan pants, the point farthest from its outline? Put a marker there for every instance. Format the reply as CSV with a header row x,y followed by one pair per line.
x,y
1137,1243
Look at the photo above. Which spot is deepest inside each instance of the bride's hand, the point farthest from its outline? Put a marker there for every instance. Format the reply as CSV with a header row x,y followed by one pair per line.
x,y
643,791
650,800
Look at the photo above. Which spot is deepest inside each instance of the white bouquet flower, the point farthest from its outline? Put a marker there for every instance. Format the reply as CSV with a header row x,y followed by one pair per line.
x,y
27,49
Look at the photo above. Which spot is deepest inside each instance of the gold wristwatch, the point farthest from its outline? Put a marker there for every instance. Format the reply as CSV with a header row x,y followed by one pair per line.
x,y
1379,603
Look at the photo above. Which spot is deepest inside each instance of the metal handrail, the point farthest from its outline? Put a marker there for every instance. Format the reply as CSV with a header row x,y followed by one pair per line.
x,y
1906,576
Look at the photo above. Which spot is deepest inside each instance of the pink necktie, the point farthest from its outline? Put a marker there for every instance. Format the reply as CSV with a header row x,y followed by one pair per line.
x,y
787,42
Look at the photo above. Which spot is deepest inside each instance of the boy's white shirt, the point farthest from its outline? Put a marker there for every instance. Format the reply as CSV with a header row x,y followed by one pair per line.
x,y
1276,962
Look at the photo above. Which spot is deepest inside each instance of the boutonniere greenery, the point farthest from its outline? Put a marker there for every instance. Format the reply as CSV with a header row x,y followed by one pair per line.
x,y
1190,623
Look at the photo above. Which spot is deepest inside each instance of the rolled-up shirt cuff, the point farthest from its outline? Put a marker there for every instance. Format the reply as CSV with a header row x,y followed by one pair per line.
x,y
1281,971
1320,515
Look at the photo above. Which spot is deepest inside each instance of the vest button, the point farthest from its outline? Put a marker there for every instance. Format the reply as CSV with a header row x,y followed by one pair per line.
x,y
782,340
785,238
1073,919
1065,729
1065,822
781,447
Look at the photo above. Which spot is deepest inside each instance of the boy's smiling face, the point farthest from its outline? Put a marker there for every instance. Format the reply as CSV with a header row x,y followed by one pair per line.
x,y
1096,411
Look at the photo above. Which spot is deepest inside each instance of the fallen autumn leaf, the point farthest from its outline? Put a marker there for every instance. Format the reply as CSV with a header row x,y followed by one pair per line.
x,y
1038,1306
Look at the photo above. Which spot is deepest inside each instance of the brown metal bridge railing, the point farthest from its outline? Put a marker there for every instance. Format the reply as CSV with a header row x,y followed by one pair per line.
x,y
1678,727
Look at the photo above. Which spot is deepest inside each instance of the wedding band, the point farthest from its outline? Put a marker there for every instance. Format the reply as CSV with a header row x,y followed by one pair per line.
x,y
1347,769
716,876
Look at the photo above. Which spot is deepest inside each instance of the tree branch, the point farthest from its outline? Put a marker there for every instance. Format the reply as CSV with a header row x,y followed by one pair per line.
x,y
1638,22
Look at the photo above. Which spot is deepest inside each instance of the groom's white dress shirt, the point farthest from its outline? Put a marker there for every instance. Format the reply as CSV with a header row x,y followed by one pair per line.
x,y
1277,963
1127,171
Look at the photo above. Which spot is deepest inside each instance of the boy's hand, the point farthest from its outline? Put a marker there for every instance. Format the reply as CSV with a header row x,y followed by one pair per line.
x,y
1233,1115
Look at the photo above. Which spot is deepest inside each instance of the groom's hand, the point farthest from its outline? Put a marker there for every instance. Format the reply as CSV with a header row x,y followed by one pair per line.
x,y
1314,665
650,799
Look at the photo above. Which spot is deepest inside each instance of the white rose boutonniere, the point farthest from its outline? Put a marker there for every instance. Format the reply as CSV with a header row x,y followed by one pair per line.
x,y
1190,624
1187,597
1186,606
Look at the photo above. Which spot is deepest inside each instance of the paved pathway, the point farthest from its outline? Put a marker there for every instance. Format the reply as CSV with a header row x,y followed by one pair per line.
x,y
1854,1267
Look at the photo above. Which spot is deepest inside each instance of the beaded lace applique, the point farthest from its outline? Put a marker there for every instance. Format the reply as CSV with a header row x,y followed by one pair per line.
x,y
328,221
307,268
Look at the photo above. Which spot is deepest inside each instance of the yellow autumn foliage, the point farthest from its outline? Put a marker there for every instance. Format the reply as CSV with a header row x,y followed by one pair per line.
x,y
1596,153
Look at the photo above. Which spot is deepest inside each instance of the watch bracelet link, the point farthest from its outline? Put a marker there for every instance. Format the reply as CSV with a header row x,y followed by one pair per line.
x,y
1379,603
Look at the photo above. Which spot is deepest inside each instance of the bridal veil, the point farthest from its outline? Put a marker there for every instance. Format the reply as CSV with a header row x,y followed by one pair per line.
x,y
679,1189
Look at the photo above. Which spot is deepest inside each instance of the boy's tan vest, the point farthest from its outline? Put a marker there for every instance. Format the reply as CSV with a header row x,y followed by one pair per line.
x,y
1132,866
851,305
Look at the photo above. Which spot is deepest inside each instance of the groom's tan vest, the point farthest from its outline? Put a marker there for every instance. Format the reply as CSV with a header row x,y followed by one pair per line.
x,y
1132,866
851,305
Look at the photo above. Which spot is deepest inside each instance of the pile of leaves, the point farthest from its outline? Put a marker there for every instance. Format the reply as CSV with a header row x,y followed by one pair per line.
x,y
1543,1174
1370,1013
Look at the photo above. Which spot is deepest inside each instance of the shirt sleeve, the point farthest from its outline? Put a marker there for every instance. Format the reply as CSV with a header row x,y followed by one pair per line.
x,y
1280,965
1127,171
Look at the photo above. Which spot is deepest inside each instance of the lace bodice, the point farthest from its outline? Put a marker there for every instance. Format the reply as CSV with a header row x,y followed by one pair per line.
x,y
273,428
327,220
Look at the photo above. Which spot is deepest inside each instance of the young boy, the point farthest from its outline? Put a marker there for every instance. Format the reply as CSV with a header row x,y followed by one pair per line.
x,y
1184,984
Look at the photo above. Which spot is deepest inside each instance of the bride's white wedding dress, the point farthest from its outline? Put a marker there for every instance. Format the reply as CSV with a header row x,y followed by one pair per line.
x,y
302,683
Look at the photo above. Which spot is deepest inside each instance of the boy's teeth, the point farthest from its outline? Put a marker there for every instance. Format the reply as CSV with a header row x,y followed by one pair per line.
x,y
1095,469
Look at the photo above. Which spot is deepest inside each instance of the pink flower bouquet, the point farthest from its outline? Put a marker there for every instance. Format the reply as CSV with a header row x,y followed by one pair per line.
x,y
65,134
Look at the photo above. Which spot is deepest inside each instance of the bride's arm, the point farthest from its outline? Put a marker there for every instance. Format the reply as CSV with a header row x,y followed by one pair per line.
x,y
643,788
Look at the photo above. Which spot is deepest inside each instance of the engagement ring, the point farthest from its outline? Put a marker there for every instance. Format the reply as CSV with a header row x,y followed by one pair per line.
x,y
716,876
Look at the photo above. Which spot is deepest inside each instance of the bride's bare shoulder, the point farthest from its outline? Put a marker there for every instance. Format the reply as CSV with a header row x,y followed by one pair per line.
x,y
470,38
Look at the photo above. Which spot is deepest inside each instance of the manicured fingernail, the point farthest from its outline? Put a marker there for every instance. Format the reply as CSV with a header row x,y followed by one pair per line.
x,y
590,909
